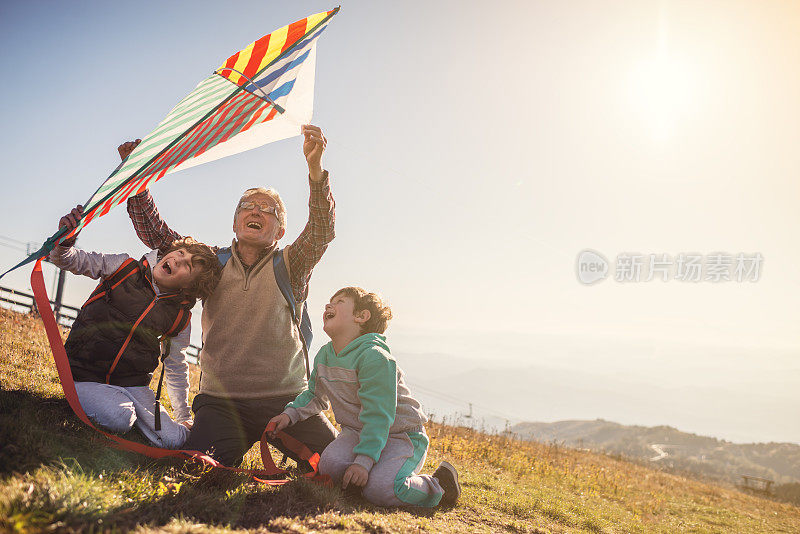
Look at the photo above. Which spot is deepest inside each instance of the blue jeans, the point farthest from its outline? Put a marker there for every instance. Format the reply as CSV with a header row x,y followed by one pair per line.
x,y
118,409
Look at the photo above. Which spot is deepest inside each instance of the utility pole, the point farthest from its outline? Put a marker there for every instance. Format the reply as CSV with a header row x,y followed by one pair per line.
x,y
32,247
62,275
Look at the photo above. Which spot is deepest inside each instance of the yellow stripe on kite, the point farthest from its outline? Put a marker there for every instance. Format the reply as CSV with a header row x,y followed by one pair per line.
x,y
313,20
241,63
276,42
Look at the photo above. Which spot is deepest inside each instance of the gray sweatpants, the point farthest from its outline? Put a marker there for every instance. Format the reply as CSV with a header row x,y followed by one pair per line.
x,y
117,409
393,480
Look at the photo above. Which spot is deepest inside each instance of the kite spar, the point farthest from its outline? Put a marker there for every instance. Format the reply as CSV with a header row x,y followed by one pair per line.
x,y
259,95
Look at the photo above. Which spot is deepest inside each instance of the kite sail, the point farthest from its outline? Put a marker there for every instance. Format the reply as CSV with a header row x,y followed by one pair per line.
x,y
258,95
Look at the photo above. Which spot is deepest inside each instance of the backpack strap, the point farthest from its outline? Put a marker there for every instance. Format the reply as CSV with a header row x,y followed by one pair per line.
x,y
223,255
111,281
299,317
299,313
165,345
181,320
147,271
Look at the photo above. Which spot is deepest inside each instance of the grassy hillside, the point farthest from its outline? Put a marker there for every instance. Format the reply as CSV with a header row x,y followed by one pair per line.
x,y
57,475
703,455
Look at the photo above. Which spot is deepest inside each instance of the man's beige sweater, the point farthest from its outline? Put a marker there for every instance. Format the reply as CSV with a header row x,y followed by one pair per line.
x,y
251,348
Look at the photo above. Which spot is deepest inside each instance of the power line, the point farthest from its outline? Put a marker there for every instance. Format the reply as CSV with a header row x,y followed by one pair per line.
x,y
23,246
453,398
441,395
13,240
21,249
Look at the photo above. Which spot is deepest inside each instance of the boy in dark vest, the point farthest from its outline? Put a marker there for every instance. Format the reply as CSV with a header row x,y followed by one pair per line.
x,y
116,341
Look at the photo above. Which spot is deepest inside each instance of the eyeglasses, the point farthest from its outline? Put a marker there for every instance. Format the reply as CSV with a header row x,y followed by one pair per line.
x,y
265,208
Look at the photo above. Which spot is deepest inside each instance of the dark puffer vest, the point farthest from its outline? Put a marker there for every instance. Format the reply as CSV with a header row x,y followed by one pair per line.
x,y
116,336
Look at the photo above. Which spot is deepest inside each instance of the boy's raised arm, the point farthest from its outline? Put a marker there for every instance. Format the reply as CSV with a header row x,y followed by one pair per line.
x,y
147,222
92,264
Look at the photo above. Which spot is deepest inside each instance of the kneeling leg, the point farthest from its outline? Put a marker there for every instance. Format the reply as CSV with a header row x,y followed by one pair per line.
x,y
393,480
338,455
109,406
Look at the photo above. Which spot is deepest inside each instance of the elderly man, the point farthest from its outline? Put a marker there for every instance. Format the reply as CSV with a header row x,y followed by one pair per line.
x,y
252,361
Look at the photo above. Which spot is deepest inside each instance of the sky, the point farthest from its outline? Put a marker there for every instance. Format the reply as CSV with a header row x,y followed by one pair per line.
x,y
475,149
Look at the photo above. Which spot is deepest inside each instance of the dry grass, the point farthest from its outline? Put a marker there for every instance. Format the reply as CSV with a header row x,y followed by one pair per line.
x,y
55,475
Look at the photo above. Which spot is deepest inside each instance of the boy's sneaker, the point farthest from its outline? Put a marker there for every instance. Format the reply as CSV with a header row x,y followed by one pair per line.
x,y
447,476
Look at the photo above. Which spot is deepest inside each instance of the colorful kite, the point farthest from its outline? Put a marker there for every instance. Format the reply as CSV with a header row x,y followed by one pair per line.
x,y
259,95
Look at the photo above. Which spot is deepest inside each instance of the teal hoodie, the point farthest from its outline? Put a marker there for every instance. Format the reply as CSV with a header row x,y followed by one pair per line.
x,y
367,392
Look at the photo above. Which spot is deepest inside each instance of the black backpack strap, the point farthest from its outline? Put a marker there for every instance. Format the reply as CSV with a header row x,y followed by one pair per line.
x,y
223,255
301,319
165,347
181,321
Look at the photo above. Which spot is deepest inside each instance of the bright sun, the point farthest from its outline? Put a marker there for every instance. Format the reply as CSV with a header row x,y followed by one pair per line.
x,y
661,91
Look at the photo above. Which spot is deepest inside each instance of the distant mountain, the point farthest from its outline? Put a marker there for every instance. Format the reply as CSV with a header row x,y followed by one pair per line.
x,y
672,449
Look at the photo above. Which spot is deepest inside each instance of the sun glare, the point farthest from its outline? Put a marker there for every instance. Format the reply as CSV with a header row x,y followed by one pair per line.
x,y
661,91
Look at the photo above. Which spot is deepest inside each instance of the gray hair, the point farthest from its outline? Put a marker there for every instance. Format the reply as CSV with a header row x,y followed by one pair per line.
x,y
280,208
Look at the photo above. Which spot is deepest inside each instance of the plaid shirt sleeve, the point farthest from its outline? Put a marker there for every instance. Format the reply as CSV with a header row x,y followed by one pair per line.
x,y
149,225
312,242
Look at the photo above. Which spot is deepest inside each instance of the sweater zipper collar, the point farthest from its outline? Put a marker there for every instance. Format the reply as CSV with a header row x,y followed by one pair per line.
x,y
248,271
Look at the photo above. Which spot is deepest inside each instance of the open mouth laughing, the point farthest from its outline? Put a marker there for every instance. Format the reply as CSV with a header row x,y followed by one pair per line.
x,y
255,225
